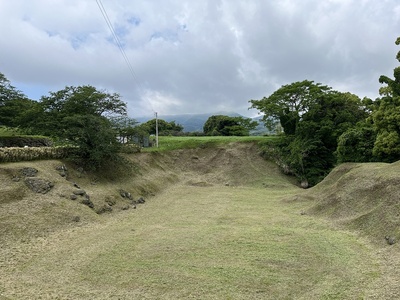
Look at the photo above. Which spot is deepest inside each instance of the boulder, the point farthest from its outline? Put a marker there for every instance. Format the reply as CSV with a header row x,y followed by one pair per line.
x,y
39,185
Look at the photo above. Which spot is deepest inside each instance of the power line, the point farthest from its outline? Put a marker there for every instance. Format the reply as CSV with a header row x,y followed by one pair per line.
x,y
121,48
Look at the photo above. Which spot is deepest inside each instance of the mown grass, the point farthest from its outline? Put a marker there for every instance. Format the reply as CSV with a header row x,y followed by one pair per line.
x,y
248,240
201,243
167,143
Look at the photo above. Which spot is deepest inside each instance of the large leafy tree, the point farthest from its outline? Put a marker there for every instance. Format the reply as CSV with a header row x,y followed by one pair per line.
x,y
164,127
318,131
289,103
386,117
313,117
81,100
7,91
228,126
81,116
13,103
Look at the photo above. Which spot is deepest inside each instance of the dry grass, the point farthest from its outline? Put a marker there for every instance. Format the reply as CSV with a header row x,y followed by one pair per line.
x,y
222,224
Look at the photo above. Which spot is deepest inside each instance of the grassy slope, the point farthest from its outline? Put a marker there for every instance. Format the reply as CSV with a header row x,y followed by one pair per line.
x,y
364,197
222,225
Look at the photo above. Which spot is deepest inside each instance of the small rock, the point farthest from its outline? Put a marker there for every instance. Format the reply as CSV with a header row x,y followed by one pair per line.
x,y
125,194
390,240
76,219
76,185
110,202
61,168
304,184
88,202
122,193
73,197
125,207
104,209
141,200
79,192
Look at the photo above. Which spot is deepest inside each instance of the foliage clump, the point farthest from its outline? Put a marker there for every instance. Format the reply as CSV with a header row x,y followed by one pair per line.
x,y
313,116
323,127
220,125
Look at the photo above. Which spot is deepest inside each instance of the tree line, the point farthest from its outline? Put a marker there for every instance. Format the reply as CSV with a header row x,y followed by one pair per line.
x,y
323,127
94,123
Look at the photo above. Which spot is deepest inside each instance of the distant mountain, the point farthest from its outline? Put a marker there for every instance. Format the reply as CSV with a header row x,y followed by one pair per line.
x,y
260,129
190,122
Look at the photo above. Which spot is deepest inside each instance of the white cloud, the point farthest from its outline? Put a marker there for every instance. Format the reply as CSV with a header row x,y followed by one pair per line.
x,y
198,56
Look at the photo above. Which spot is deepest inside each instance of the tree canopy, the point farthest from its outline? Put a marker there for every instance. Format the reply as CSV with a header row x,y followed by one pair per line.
x,y
81,117
13,103
386,117
313,117
164,127
289,103
228,126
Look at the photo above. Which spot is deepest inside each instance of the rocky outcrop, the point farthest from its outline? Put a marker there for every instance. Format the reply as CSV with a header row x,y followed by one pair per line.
x,y
39,185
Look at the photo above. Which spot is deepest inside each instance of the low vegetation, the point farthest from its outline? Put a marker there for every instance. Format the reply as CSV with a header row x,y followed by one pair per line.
x,y
219,222
167,143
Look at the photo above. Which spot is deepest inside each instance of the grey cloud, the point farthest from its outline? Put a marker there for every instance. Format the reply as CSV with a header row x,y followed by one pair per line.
x,y
199,56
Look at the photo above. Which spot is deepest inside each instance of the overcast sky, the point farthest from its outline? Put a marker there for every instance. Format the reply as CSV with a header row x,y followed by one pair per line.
x,y
197,56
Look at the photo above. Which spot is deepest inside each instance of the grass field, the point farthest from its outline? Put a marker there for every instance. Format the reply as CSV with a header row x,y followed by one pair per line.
x,y
167,143
227,226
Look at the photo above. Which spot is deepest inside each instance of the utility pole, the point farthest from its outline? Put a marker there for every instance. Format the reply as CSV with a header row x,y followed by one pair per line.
x,y
156,129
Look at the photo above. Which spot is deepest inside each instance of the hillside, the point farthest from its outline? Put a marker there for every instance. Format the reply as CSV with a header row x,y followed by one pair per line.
x,y
217,222
146,175
362,197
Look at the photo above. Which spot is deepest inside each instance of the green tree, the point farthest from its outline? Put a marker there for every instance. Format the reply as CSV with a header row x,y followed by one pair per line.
x,y
7,91
319,115
228,126
80,115
94,137
81,100
386,117
289,103
164,127
356,144
125,127
13,103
